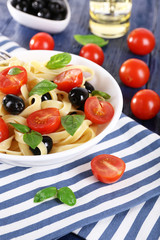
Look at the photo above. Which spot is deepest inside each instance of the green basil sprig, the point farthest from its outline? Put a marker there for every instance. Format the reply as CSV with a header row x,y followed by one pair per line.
x,y
30,137
104,95
14,71
42,87
59,60
64,194
85,39
72,122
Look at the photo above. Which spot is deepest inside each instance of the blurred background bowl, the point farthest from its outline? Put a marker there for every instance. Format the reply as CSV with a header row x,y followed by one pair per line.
x,y
38,23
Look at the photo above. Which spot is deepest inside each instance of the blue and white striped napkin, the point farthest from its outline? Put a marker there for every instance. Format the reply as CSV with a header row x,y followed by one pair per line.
x,y
127,209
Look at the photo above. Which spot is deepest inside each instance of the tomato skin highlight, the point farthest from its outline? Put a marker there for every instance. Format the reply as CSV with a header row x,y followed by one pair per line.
x,y
4,131
11,84
98,112
145,104
42,41
92,52
134,73
141,41
69,79
45,120
107,168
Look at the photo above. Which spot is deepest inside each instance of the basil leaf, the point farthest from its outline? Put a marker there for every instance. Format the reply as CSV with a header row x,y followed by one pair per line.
x,y
45,194
21,128
102,94
43,87
59,60
32,139
85,39
66,196
14,71
72,122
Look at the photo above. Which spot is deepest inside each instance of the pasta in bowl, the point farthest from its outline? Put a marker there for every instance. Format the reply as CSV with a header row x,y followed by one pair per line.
x,y
56,119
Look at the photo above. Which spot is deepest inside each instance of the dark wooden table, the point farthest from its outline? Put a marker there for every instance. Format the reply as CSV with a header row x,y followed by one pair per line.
x,y
145,13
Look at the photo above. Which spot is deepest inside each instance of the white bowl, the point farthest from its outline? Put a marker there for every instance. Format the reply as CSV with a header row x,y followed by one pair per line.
x,y
102,81
28,20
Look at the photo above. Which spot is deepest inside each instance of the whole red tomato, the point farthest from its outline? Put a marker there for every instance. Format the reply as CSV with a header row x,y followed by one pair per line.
x,y
141,41
145,104
41,41
134,73
92,52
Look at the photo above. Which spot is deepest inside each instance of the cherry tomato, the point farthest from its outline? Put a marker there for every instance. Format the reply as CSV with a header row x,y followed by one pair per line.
x,y
107,168
41,41
45,120
69,79
97,111
11,84
145,104
134,73
141,41
92,52
4,131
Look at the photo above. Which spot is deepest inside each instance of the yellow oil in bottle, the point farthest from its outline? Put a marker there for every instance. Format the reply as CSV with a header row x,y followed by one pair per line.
x,y
110,18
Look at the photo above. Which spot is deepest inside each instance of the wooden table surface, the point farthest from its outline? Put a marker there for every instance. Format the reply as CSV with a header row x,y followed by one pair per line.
x,y
145,13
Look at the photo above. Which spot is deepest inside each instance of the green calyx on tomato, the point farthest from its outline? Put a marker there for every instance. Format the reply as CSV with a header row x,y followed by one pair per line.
x,y
107,168
31,138
59,60
97,111
12,79
72,122
64,194
14,71
42,88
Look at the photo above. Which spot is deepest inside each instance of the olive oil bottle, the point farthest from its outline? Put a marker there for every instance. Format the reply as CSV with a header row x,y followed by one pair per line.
x,y
110,18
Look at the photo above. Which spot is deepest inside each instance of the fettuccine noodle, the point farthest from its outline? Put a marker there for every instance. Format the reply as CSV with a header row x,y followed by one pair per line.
x,y
62,140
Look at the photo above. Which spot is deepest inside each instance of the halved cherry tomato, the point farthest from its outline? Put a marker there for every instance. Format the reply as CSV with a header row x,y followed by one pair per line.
x,y
141,41
69,79
11,84
97,111
134,73
45,120
92,52
107,168
145,104
4,131
41,41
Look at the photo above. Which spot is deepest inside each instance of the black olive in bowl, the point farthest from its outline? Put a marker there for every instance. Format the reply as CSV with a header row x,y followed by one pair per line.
x,y
13,104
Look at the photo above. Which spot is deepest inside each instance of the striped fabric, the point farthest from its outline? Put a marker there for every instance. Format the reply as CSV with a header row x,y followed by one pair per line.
x,y
127,209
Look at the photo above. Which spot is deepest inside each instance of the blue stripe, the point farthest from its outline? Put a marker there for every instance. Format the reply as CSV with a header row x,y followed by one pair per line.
x,y
86,230
155,232
68,182
113,226
139,220
4,42
12,48
80,193
71,227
